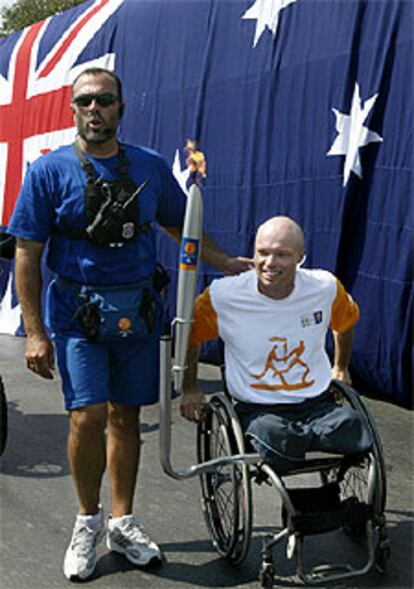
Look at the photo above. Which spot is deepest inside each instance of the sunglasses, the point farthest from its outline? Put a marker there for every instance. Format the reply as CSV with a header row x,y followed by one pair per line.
x,y
104,99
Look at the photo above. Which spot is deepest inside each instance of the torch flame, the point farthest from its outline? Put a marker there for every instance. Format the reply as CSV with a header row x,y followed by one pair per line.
x,y
195,159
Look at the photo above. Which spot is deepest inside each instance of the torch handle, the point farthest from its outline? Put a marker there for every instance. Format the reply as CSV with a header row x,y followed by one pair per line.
x,y
187,279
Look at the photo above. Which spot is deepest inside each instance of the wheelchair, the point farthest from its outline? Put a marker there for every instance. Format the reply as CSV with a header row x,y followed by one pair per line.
x,y
350,496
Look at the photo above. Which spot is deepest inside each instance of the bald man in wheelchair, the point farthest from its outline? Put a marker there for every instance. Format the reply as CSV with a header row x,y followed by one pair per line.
x,y
273,321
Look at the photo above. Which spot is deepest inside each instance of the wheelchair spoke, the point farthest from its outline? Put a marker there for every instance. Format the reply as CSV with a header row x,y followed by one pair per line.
x,y
225,506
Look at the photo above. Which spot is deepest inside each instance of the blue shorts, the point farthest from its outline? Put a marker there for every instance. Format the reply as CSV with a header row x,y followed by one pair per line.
x,y
126,372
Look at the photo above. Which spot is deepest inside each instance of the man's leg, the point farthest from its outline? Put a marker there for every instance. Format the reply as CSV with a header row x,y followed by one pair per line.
x,y
125,535
339,429
123,456
86,451
130,389
85,382
278,439
87,454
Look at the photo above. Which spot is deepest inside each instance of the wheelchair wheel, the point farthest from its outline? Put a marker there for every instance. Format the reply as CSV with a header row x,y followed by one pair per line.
x,y
226,492
3,418
354,477
345,394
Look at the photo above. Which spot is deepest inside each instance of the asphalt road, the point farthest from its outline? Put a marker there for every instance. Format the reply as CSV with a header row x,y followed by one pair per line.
x,y
37,502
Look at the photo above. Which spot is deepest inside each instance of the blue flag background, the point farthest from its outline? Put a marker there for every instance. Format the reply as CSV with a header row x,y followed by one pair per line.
x,y
304,111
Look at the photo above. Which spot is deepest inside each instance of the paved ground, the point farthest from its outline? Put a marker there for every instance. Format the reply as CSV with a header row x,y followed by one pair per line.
x,y
37,500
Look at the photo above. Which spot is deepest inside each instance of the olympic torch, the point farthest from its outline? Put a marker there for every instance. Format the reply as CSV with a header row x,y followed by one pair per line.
x,y
187,277
188,264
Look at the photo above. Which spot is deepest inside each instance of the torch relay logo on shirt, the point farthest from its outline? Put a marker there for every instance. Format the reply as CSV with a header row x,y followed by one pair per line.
x,y
285,366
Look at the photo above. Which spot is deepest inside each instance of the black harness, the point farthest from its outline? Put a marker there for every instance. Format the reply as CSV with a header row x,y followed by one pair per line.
x,y
112,207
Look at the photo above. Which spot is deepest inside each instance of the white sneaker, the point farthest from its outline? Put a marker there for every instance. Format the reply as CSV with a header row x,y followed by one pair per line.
x,y
80,557
125,536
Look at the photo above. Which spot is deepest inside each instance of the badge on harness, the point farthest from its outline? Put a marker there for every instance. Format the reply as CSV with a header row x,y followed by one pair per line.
x,y
128,230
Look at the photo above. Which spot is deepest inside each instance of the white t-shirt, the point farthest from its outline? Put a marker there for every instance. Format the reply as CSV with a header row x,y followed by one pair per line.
x,y
274,349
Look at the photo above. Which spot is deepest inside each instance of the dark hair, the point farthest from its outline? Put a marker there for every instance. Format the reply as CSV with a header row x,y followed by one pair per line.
x,y
98,71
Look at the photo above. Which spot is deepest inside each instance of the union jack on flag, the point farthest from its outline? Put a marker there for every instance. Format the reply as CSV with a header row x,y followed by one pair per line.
x,y
34,95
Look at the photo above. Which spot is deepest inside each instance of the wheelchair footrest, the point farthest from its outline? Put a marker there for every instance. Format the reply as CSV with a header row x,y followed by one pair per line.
x,y
319,510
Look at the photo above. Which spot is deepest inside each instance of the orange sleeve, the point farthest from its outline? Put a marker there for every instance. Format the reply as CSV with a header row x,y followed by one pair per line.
x,y
344,312
205,320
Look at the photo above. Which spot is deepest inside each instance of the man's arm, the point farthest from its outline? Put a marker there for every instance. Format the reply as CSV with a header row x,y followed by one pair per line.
x,y
342,355
39,349
213,255
203,329
192,399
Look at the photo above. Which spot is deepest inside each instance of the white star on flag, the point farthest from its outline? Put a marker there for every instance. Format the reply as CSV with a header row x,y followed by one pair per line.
x,y
266,12
352,134
180,175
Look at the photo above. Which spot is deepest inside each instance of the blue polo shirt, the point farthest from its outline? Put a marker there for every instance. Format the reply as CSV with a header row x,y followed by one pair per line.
x,y
52,199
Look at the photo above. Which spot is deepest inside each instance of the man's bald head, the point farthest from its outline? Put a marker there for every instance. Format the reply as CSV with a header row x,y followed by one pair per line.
x,y
282,227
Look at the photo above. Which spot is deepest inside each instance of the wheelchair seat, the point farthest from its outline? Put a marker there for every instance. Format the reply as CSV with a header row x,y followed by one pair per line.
x,y
351,495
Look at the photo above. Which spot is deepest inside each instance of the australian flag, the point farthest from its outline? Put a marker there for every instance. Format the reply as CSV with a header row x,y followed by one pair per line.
x,y
302,107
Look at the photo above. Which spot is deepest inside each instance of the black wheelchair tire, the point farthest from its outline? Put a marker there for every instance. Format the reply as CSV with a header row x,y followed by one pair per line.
x,y
226,493
353,398
3,418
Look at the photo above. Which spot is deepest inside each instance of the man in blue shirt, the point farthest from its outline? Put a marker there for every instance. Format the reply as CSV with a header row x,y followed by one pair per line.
x,y
94,204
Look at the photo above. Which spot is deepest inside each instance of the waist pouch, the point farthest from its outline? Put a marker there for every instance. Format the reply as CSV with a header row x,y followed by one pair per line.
x,y
115,313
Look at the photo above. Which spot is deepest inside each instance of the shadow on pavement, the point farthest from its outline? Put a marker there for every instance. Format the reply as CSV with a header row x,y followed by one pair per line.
x,y
45,435
217,572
